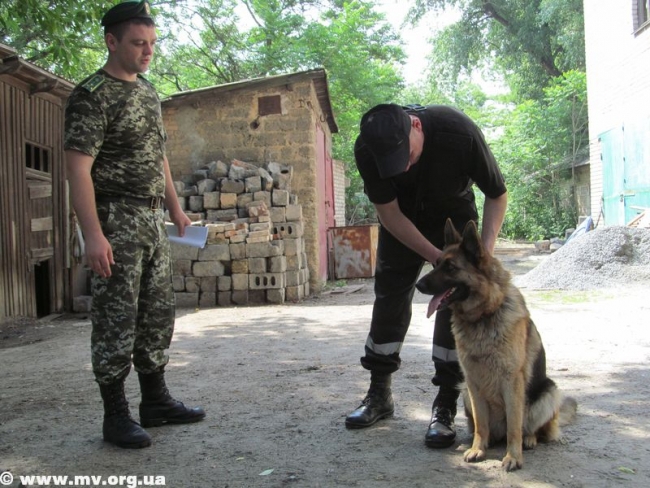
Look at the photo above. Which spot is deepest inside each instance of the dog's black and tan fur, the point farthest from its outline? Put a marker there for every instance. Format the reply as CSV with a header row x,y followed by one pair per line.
x,y
507,395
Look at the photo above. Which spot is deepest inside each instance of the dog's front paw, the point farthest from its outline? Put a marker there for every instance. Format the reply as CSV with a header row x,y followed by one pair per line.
x,y
510,463
530,441
474,455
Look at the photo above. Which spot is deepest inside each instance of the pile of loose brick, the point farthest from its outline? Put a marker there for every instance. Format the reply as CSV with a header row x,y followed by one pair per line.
x,y
255,252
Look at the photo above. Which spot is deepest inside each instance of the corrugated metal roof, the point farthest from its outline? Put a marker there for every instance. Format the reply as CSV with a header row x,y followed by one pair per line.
x,y
38,79
317,76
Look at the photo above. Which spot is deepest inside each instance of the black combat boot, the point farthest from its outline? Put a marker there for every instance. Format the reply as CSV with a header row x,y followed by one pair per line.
x,y
158,407
377,405
441,431
119,428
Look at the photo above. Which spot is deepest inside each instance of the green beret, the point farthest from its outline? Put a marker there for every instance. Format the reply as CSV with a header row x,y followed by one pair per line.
x,y
126,11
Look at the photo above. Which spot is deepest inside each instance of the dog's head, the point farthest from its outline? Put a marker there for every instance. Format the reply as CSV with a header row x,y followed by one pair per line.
x,y
458,271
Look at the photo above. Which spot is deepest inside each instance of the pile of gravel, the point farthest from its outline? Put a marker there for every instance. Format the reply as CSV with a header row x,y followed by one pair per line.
x,y
603,258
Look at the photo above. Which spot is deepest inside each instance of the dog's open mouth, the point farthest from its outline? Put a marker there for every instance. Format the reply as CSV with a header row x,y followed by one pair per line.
x,y
440,301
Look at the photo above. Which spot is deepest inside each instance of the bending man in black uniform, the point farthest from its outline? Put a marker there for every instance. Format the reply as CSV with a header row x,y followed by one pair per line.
x,y
418,165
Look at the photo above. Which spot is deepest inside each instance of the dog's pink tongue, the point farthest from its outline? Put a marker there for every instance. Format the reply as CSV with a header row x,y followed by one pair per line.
x,y
434,304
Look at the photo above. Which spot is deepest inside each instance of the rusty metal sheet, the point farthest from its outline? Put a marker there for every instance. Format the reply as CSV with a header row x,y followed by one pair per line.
x,y
355,251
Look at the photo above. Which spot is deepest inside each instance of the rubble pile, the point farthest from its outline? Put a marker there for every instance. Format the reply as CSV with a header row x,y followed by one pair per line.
x,y
603,258
255,251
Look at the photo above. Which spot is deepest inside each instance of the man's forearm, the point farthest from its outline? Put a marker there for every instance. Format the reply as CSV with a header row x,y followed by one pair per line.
x,y
494,211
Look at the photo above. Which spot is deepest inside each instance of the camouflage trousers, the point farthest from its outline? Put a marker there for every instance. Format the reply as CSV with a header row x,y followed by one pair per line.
x,y
133,309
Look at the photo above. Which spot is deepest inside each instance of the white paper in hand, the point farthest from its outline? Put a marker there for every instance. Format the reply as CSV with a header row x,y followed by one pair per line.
x,y
195,236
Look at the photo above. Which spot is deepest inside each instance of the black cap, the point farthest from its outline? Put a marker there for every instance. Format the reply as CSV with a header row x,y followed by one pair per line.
x,y
126,11
385,131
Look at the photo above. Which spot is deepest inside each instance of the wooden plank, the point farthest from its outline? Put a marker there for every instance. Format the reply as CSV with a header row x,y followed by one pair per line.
x,y
42,254
34,174
44,223
39,191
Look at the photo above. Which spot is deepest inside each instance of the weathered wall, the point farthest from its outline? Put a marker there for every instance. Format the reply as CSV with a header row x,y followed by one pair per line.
x,y
217,125
339,193
618,85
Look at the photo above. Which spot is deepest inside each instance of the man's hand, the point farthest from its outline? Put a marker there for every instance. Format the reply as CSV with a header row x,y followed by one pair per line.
x,y
180,220
99,255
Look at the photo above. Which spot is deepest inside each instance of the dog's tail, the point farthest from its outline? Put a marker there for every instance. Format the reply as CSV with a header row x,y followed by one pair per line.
x,y
568,410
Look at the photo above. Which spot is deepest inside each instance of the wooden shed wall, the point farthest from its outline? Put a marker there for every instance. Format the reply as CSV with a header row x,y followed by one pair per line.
x,y
26,247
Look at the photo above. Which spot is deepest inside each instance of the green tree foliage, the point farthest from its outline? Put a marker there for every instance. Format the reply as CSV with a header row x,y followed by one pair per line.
x,y
529,42
542,142
55,34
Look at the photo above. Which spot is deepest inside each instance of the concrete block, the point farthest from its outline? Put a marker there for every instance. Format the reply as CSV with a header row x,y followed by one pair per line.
x,y
212,200
181,251
292,246
208,299
224,283
240,297
182,267
187,300
196,203
243,199
232,186
257,265
293,278
222,215
277,264
295,293
280,198
208,268
278,214
239,282
192,284
208,284
256,297
294,262
178,283
205,186
228,200
266,281
288,230
293,213
224,298
253,184
237,250
275,296
240,266
215,252
259,250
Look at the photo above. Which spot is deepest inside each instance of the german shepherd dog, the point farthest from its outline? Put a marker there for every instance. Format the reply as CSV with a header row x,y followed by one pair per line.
x,y
507,394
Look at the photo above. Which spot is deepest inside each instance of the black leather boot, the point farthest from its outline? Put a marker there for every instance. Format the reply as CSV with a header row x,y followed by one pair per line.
x,y
158,407
441,432
377,404
119,428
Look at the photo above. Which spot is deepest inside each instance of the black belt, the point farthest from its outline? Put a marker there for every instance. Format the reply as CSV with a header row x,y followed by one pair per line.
x,y
154,203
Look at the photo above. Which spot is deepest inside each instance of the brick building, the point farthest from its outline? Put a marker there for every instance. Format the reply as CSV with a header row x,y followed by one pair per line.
x,y
286,119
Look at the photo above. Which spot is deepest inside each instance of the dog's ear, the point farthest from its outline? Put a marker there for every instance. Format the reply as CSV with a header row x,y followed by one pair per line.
x,y
471,243
451,234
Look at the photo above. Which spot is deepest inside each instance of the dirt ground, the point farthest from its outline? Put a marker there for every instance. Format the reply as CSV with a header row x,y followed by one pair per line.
x,y
277,382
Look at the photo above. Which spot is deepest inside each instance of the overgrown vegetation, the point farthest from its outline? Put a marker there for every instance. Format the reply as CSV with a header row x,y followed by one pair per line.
x,y
537,126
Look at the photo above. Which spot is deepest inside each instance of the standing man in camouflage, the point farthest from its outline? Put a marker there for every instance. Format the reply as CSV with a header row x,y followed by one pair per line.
x,y
119,179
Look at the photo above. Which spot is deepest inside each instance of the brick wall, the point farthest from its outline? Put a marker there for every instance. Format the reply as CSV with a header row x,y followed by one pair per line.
x,y
255,250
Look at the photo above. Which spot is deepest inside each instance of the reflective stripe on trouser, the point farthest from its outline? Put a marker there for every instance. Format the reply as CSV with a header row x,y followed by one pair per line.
x,y
396,273
132,310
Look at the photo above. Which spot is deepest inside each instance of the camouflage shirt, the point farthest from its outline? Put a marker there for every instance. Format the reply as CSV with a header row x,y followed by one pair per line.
x,y
119,123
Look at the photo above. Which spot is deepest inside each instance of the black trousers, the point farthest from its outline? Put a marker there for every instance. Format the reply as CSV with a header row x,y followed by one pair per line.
x,y
396,272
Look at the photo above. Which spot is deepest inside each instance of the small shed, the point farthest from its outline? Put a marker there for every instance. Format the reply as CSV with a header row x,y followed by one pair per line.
x,y
34,212
285,119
